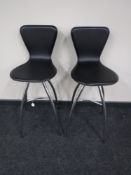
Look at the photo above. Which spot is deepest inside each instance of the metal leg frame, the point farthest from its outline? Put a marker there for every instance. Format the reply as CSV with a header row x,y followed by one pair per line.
x,y
24,99
54,109
102,95
74,93
53,89
74,101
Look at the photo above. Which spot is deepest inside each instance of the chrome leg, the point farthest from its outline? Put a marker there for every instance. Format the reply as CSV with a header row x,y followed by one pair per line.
x,y
24,99
102,95
73,105
53,90
102,88
75,101
74,93
53,106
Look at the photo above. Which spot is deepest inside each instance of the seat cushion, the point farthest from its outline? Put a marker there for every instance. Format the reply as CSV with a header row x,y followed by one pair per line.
x,y
93,74
34,71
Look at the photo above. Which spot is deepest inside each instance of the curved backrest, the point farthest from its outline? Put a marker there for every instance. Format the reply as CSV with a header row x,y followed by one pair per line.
x,y
89,42
39,40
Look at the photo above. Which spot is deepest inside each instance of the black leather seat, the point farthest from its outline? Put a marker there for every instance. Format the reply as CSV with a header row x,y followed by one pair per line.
x,y
89,43
39,40
34,71
89,71
93,74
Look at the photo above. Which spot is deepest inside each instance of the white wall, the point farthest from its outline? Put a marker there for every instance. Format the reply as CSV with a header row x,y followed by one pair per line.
x,y
65,14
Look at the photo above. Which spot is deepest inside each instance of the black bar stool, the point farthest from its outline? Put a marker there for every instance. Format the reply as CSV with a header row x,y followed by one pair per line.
x,y
39,40
89,71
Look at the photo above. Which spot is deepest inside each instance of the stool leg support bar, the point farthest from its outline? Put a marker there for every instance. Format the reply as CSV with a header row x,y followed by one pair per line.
x,y
24,99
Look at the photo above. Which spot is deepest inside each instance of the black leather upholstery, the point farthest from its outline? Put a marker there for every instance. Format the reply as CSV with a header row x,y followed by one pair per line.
x,y
89,43
39,40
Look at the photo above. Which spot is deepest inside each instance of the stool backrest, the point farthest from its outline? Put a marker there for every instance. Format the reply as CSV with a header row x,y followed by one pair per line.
x,y
89,42
39,40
